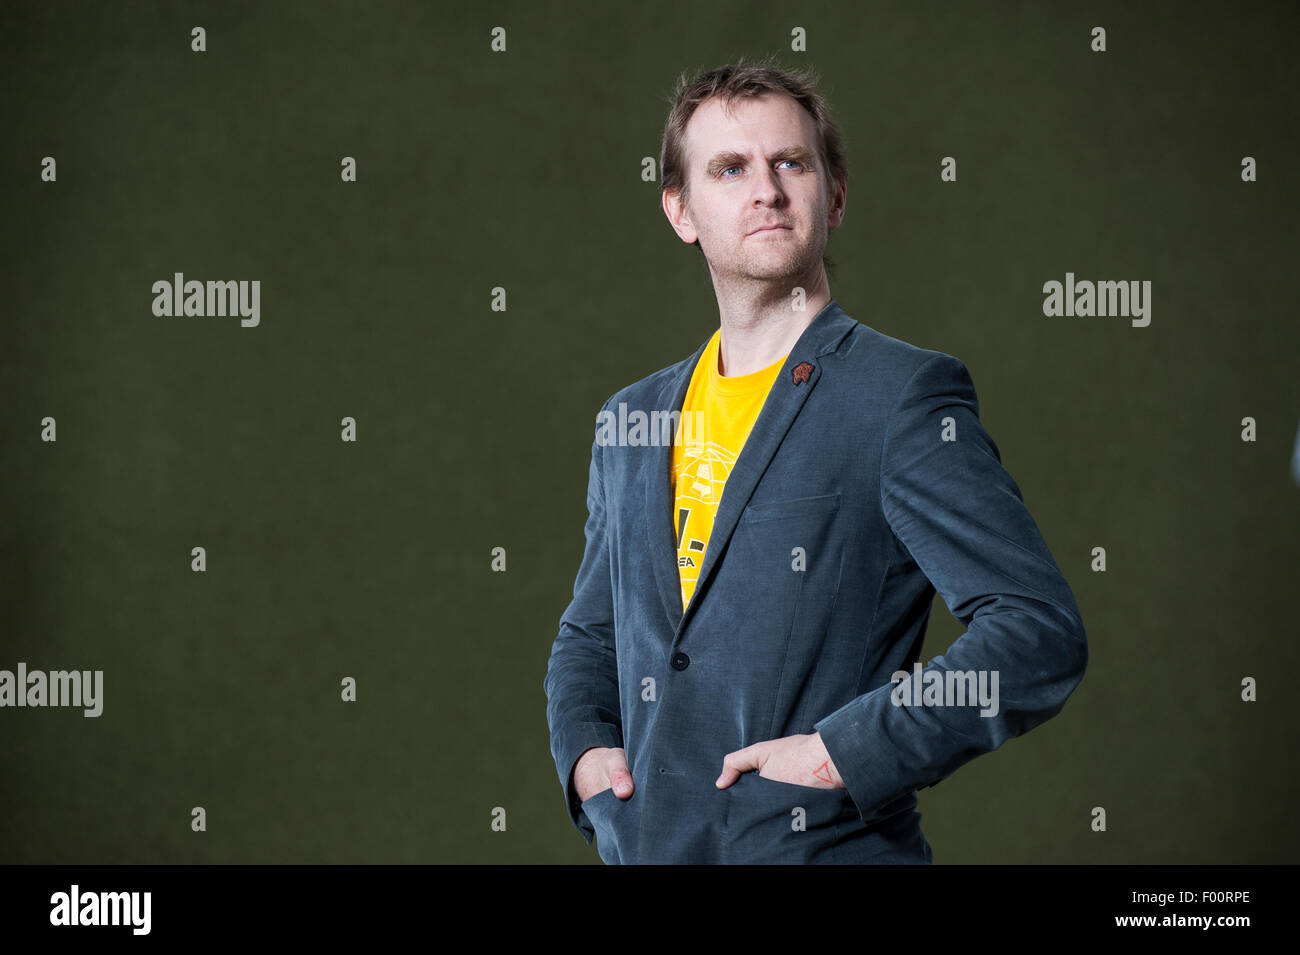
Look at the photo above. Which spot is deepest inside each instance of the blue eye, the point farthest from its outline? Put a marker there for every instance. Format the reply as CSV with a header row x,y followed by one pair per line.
x,y
723,173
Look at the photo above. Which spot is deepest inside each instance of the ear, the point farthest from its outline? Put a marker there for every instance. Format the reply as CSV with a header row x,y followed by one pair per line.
x,y
837,206
678,216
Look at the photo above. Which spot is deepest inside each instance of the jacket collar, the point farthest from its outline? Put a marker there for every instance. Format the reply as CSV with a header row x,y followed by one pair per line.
x,y
789,392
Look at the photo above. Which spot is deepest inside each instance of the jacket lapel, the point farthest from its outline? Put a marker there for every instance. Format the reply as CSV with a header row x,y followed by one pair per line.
x,y
780,409
661,534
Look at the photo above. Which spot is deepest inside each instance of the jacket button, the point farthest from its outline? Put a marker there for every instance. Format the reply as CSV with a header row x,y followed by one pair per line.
x,y
680,661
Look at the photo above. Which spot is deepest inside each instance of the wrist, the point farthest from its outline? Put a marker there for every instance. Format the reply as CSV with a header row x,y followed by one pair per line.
x,y
824,766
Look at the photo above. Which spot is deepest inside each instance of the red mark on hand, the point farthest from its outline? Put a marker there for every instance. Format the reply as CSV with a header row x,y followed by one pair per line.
x,y
824,768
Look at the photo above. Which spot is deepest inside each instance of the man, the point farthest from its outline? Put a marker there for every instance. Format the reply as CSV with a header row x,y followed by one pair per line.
x,y
760,699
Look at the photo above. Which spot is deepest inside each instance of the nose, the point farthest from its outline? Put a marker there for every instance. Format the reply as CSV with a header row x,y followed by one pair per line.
x,y
767,188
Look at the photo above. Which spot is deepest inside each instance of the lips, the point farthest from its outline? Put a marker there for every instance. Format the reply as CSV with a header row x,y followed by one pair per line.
x,y
769,228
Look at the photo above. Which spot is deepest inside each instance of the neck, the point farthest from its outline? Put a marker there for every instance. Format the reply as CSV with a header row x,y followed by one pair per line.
x,y
759,320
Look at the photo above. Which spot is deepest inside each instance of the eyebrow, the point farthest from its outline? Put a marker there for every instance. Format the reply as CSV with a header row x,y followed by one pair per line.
x,y
729,158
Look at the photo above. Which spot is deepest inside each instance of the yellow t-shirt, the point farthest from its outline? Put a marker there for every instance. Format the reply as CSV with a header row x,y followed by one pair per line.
x,y
717,416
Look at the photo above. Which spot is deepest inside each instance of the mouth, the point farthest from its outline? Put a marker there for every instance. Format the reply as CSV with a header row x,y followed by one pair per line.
x,y
771,228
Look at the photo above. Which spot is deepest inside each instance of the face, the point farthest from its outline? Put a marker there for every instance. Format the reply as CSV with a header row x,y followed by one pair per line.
x,y
749,170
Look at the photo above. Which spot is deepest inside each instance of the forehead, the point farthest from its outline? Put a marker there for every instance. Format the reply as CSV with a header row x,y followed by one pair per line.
x,y
763,123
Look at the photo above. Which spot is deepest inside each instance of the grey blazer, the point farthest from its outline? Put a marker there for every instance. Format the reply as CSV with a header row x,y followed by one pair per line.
x,y
870,456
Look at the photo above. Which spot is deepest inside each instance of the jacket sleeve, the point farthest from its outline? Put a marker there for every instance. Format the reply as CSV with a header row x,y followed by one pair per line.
x,y
963,520
581,682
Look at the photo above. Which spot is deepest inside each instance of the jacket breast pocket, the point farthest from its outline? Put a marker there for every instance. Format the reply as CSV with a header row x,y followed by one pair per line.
x,y
792,545
795,509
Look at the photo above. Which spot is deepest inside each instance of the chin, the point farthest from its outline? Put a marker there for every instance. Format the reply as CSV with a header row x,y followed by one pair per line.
x,y
786,266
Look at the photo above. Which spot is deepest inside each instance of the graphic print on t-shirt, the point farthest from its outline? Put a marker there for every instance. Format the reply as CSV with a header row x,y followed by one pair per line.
x,y
703,474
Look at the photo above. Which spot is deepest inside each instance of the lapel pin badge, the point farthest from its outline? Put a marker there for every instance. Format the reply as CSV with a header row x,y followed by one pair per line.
x,y
801,372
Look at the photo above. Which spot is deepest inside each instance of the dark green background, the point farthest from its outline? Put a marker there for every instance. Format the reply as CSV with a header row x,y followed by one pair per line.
x,y
522,170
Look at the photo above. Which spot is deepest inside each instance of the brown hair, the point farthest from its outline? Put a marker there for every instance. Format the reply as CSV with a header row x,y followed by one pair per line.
x,y
741,79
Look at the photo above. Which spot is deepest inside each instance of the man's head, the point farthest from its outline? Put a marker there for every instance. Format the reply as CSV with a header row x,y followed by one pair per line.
x,y
749,145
